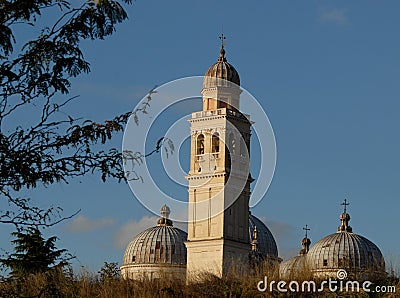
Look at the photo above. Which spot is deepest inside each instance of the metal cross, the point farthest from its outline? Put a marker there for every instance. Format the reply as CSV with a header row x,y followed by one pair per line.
x,y
306,229
345,204
222,38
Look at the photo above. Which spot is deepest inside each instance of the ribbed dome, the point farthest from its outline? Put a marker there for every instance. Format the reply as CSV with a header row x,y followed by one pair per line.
x,y
266,242
162,244
293,267
346,250
221,73
297,266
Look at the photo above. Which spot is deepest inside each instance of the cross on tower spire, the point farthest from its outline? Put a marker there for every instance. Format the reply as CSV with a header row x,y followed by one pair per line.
x,y
222,51
222,37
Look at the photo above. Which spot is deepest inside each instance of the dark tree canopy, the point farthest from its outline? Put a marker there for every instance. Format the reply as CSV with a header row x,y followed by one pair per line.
x,y
37,72
34,254
109,271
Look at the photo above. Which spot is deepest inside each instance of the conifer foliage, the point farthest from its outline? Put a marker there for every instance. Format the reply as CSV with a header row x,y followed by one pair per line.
x,y
34,254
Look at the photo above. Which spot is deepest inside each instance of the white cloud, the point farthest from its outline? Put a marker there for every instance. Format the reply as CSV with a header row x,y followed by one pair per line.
x,y
333,15
82,224
132,228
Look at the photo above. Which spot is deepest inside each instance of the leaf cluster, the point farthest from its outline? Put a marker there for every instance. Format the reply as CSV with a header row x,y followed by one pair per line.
x,y
35,76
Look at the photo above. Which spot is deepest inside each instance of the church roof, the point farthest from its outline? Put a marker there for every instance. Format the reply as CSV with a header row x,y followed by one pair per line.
x,y
162,244
221,73
345,249
294,267
265,240
297,266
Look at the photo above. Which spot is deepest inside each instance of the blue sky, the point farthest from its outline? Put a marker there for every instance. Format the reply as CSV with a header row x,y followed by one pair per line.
x,y
327,74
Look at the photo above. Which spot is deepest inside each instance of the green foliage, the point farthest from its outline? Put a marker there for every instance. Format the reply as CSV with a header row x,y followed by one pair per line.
x,y
34,254
109,271
35,75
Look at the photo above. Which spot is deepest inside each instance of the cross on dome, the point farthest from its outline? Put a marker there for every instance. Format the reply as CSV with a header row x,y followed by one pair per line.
x,y
306,228
305,243
345,204
344,219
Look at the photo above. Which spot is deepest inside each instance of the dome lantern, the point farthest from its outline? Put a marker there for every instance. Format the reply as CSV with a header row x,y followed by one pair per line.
x,y
261,239
164,219
344,219
254,243
305,243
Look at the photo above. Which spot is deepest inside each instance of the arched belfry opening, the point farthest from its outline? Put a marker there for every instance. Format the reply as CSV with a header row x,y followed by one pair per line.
x,y
215,143
200,145
218,211
221,231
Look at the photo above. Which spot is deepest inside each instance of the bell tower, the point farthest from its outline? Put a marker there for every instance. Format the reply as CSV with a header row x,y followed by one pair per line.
x,y
219,178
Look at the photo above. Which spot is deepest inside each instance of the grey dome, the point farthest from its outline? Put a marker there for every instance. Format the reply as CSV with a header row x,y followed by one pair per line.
x,y
221,73
346,250
266,242
293,267
162,244
297,266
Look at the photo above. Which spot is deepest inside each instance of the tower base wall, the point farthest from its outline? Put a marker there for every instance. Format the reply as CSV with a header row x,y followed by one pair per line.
x,y
216,256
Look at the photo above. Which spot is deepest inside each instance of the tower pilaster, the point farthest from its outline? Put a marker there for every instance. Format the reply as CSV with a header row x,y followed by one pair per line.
x,y
219,179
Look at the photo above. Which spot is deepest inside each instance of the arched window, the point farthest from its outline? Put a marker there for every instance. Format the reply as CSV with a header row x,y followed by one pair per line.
x,y
215,143
200,145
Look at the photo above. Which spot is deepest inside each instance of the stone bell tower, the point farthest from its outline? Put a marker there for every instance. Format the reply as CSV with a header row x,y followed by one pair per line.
x,y
219,178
